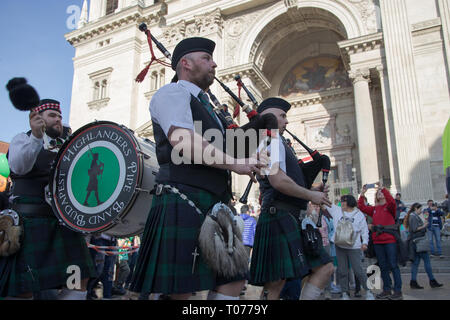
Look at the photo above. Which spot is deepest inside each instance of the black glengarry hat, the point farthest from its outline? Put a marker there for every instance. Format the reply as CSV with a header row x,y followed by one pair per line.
x,y
189,45
277,103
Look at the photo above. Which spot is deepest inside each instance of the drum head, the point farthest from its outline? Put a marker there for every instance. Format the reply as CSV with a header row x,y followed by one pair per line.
x,y
94,177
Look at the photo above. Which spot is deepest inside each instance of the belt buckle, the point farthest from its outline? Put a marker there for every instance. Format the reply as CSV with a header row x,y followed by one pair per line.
x,y
159,189
272,210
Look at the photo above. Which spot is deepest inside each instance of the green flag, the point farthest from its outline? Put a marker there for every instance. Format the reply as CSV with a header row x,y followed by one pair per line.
x,y
446,145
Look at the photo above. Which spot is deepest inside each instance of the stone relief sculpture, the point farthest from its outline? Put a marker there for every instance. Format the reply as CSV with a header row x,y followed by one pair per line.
x,y
343,135
368,11
319,136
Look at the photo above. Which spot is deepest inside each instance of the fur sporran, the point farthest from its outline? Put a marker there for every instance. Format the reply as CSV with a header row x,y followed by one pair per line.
x,y
11,232
312,239
220,242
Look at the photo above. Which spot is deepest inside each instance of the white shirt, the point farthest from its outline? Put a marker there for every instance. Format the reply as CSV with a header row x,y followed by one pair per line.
x,y
170,106
277,155
359,224
23,152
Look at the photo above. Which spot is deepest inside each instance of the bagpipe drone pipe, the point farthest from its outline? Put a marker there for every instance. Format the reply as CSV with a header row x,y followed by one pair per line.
x,y
256,121
311,169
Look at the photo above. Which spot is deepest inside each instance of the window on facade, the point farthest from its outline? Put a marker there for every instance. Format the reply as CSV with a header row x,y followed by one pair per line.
x,y
162,77
103,89
157,79
100,82
154,81
111,6
96,94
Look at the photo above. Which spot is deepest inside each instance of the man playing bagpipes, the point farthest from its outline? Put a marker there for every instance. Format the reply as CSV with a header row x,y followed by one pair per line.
x,y
170,260
287,245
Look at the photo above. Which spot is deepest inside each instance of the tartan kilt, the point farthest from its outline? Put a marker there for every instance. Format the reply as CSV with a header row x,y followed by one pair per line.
x,y
170,237
48,249
278,251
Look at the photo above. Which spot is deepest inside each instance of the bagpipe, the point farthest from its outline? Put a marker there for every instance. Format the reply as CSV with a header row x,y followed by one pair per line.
x,y
255,120
311,169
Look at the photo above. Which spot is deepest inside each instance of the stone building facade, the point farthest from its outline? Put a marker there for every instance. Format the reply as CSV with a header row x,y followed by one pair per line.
x,y
368,79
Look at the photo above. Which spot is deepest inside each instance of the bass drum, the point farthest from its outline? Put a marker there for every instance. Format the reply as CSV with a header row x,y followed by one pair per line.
x,y
102,180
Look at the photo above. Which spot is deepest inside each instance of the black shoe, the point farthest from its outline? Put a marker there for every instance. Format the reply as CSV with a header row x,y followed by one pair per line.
x,y
91,296
435,284
414,285
396,296
357,294
118,291
385,295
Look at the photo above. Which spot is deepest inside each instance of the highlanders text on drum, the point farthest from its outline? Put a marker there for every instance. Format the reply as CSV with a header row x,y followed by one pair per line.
x,y
103,134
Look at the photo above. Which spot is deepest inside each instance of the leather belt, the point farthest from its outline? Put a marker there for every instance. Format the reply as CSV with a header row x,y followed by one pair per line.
x,y
294,210
33,210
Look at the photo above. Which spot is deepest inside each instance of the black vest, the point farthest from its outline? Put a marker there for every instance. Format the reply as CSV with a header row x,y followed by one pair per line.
x,y
33,183
216,181
269,194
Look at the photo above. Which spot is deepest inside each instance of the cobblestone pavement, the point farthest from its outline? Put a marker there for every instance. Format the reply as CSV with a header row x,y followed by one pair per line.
x,y
440,267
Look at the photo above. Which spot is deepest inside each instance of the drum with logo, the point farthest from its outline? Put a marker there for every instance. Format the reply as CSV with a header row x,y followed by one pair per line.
x,y
102,179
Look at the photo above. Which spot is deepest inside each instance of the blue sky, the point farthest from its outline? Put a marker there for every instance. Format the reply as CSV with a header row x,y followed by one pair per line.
x,y
33,46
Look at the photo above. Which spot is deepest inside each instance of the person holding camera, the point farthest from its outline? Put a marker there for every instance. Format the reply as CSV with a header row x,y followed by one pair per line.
x,y
385,244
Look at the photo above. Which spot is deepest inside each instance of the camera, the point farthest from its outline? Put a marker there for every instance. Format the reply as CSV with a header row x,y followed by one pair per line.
x,y
370,185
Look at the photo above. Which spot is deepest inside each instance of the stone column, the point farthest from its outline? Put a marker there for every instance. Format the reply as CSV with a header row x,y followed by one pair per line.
x,y
95,10
120,5
412,150
84,16
365,129
390,133
444,11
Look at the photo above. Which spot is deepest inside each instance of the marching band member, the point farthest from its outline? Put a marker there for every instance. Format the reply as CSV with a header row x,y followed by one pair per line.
x,y
169,261
278,252
47,248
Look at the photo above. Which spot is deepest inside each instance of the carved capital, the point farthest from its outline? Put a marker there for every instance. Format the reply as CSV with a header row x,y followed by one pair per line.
x,y
380,71
359,75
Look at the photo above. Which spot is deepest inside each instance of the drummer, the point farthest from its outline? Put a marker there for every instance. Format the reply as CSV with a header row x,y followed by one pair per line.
x,y
169,261
47,249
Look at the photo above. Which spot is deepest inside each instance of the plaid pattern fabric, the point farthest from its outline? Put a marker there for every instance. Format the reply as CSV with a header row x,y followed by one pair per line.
x,y
171,236
277,251
48,249
48,106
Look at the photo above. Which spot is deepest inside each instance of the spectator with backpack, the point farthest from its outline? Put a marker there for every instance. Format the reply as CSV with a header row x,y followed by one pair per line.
x,y
385,244
351,236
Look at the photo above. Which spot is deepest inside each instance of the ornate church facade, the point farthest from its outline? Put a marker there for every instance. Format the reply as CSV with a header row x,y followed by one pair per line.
x,y
368,79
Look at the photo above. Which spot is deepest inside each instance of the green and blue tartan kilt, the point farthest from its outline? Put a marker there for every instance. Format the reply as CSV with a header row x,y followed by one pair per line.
x,y
170,237
278,251
47,250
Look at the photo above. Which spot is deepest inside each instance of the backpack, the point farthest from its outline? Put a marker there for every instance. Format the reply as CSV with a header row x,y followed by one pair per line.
x,y
345,234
